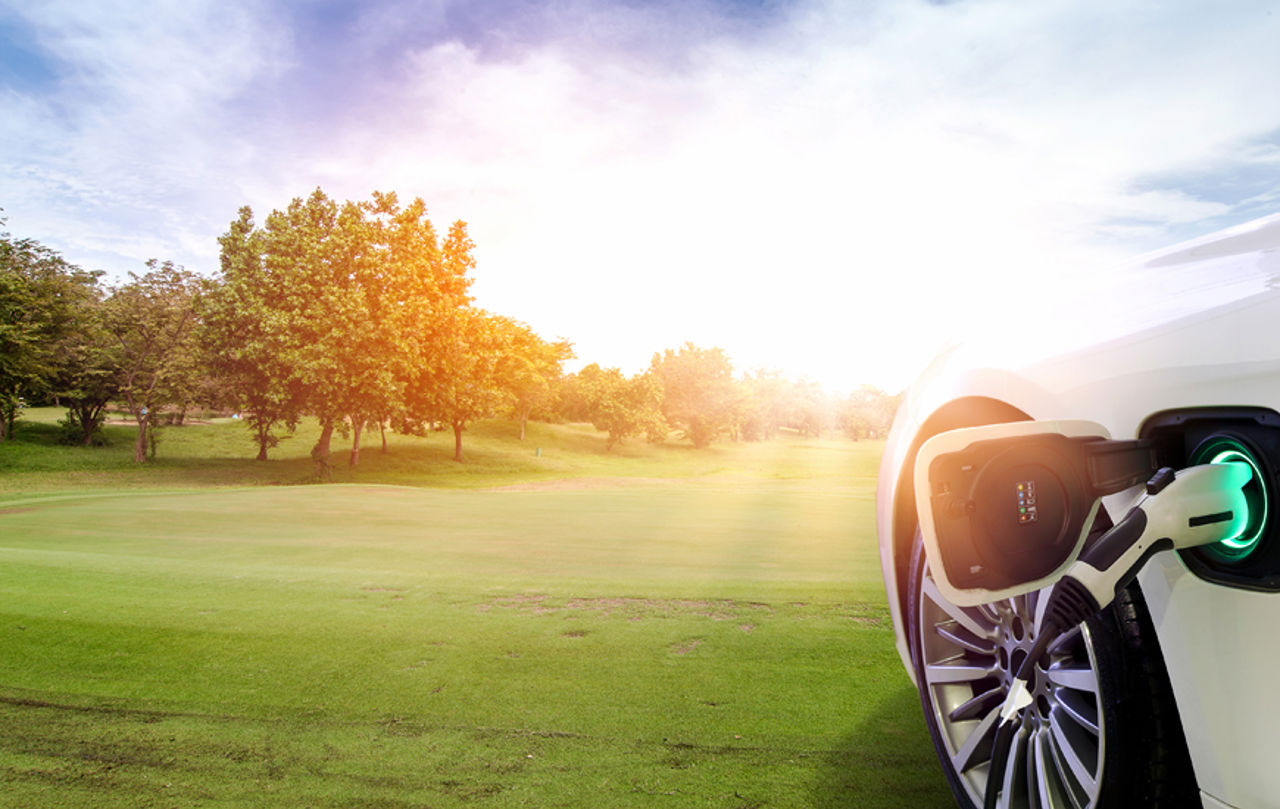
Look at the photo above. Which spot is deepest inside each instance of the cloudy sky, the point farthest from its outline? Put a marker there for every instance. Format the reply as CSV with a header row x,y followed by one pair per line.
x,y
830,189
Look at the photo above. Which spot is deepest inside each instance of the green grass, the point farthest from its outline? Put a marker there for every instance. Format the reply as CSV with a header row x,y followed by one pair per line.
x,y
650,627
221,454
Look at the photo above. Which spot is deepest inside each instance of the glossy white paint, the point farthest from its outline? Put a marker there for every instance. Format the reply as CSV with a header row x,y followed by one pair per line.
x,y
1195,325
1210,802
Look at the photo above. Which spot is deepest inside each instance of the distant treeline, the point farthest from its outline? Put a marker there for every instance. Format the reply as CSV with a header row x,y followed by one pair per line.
x,y
359,315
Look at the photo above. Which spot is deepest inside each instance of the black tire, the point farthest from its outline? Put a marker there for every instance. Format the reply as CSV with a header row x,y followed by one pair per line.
x,y
1138,757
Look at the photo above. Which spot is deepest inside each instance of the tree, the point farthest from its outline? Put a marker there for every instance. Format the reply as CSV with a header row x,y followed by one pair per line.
x,y
294,317
86,371
570,402
813,412
417,292
42,299
467,382
246,339
622,407
698,392
529,369
867,413
151,319
341,311
768,402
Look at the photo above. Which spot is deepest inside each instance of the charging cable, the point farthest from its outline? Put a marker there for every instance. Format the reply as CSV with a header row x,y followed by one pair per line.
x,y
1199,505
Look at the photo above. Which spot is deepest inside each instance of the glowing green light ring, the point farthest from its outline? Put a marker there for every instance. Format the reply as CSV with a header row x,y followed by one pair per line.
x,y
1242,543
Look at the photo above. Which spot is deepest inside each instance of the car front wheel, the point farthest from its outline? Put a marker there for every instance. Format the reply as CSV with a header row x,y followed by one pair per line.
x,y
1102,728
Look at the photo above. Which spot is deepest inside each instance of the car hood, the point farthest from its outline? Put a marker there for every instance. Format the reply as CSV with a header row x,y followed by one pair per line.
x,y
1192,325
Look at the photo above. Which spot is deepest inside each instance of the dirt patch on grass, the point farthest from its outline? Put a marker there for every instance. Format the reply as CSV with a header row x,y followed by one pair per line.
x,y
17,510
631,608
684,647
580,484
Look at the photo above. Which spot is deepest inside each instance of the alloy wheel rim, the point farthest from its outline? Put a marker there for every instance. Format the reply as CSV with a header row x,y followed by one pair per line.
x,y
969,657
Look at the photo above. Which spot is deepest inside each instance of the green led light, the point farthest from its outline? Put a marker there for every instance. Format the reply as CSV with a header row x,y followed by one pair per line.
x,y
1252,525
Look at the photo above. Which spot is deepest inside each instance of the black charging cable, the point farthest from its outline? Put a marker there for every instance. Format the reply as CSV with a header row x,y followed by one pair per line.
x,y
1070,603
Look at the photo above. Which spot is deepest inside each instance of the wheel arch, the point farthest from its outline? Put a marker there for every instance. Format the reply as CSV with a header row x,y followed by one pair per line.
x,y
968,411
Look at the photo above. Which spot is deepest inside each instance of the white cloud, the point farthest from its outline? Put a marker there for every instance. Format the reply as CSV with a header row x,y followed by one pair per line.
x,y
831,189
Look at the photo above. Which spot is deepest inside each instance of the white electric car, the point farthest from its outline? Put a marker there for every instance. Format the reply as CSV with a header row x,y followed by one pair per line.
x,y
1170,697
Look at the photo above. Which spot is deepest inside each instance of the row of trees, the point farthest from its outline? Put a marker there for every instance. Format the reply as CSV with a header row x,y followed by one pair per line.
x,y
694,390
357,314
64,337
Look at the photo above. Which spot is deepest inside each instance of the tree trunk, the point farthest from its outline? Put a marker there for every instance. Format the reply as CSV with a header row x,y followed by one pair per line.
x,y
320,452
382,426
457,441
264,438
87,417
524,419
357,425
140,446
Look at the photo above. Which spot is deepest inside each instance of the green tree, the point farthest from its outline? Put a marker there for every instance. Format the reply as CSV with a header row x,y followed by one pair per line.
x,y
530,369
620,406
86,371
315,338
417,292
698,391
248,339
468,381
42,298
151,319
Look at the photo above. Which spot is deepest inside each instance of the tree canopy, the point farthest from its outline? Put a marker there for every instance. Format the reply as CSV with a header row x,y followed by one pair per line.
x,y
356,314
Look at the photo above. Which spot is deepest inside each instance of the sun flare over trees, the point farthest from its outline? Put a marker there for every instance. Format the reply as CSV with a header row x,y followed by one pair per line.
x,y
356,314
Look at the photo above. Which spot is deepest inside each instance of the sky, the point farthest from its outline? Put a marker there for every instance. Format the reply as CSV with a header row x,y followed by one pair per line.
x,y
834,190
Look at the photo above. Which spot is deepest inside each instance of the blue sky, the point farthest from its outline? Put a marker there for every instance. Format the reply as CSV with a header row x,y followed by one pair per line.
x,y
832,189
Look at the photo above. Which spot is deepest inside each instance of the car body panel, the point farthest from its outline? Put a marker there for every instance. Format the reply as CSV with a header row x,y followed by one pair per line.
x,y
1201,336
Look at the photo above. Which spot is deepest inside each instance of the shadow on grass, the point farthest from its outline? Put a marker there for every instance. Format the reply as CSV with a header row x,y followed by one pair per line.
x,y
886,763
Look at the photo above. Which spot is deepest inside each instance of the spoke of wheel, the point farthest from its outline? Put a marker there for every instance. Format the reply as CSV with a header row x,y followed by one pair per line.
x,y
1082,711
1064,642
964,759
962,640
1041,605
939,673
1079,678
1066,753
1038,773
1022,609
958,614
1013,768
975,706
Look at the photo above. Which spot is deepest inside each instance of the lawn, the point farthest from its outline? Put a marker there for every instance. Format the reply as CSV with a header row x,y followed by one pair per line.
x,y
650,627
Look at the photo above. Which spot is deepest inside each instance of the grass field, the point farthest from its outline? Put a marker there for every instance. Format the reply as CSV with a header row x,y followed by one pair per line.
x,y
651,627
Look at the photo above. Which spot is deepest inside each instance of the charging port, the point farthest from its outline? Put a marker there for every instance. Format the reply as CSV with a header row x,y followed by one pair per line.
x,y
1244,543
1250,558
